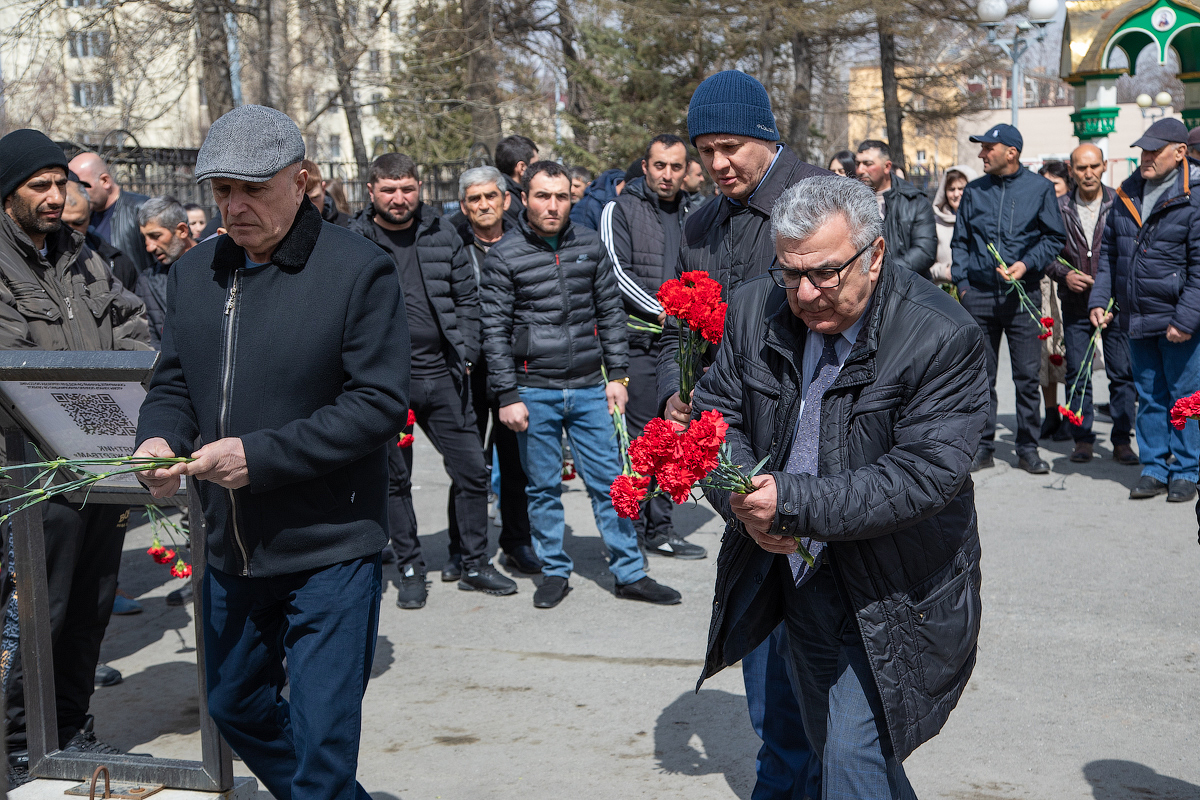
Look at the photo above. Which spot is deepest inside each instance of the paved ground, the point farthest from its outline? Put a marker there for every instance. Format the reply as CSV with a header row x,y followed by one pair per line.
x,y
1085,686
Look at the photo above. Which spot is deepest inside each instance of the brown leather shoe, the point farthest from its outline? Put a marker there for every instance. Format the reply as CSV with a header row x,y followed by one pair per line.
x,y
1082,452
1123,454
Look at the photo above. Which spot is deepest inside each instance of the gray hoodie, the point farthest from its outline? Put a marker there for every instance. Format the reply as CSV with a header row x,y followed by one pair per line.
x,y
940,271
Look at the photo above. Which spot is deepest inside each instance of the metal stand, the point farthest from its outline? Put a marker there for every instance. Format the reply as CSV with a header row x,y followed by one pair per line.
x,y
215,772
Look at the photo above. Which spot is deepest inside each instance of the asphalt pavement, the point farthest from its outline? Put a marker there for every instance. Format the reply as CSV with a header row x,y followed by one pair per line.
x,y
1086,683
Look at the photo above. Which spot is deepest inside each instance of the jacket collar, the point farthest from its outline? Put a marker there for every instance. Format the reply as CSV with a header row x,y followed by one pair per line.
x,y
292,252
62,246
1130,191
564,236
769,189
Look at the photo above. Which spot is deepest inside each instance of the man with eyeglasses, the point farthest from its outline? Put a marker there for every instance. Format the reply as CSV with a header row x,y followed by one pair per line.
x,y
863,386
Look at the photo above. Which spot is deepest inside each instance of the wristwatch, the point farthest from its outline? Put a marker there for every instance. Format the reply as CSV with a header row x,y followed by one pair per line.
x,y
623,381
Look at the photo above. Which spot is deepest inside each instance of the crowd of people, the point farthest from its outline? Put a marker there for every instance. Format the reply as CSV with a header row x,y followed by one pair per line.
x,y
510,332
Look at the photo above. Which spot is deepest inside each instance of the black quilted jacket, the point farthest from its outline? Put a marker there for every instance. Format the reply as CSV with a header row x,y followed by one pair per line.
x,y
894,498
551,317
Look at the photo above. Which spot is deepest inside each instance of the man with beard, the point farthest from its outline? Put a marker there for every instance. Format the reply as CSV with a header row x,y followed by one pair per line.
x,y
68,300
442,303
552,323
163,222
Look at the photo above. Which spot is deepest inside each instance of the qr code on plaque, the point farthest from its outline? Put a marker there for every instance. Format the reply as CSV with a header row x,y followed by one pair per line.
x,y
96,414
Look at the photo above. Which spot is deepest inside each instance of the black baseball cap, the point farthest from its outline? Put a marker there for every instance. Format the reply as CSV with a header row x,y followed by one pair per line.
x,y
1162,133
1003,134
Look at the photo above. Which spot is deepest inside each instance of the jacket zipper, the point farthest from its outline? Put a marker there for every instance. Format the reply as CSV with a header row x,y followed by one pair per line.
x,y
566,306
223,417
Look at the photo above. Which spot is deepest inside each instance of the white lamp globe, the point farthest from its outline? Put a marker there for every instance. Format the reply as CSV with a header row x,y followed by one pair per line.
x,y
1144,101
992,11
1042,10
1162,99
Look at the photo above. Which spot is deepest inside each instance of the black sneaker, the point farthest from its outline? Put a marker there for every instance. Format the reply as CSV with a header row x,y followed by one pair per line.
x,y
673,546
551,592
107,676
485,578
522,559
413,588
1147,487
180,596
452,569
85,741
983,460
1180,491
648,591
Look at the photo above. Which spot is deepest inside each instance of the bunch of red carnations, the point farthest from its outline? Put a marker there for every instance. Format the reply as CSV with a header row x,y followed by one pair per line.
x,y
406,436
165,555
1046,323
694,300
1185,408
1079,387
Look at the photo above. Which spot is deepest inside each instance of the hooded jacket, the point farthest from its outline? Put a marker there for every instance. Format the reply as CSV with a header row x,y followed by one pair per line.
x,y
551,316
306,361
449,282
1019,214
1081,252
909,227
1150,260
893,499
944,217
595,197
709,245
65,300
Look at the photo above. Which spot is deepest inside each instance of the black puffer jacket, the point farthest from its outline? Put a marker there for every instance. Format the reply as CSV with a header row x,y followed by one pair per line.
x,y
709,244
894,498
909,227
152,288
551,318
449,282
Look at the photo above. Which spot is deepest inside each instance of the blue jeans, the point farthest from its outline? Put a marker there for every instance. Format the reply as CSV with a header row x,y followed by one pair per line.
x,y
583,413
1164,372
786,767
1077,332
324,623
843,713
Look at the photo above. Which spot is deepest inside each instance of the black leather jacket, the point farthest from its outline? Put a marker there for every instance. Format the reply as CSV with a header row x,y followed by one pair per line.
x,y
909,227
894,498
126,235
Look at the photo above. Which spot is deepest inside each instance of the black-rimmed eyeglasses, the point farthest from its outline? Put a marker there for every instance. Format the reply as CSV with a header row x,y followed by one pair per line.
x,y
821,278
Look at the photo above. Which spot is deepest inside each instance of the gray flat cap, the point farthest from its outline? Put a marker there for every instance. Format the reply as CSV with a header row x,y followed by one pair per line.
x,y
250,143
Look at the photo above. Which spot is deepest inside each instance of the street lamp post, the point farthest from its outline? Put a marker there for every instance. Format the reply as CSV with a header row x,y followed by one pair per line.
x,y
1145,101
991,15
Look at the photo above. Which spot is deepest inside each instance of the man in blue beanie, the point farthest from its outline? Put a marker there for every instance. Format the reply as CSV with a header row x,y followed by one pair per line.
x,y
731,123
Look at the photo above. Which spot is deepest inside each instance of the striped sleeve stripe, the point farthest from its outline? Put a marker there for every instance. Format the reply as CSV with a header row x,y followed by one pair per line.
x,y
629,287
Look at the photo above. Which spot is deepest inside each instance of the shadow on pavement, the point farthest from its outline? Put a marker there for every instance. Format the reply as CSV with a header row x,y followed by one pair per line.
x,y
690,517
385,656
157,701
726,743
1119,780
128,634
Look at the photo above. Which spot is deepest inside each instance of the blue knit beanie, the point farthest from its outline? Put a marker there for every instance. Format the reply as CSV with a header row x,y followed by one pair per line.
x,y
731,102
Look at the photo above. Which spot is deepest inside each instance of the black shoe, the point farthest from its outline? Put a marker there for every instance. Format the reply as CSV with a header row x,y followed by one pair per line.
x,y
1063,434
413,589
388,555
107,676
485,578
85,741
983,460
1051,423
452,569
522,559
1033,464
668,544
1147,487
179,597
648,591
551,592
19,776
1180,491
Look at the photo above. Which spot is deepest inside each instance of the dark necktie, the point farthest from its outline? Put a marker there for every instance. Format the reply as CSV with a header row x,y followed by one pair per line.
x,y
807,444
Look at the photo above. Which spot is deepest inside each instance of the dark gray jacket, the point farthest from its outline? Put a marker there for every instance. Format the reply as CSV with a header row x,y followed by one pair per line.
x,y
909,227
894,499
708,245
449,282
305,360
551,317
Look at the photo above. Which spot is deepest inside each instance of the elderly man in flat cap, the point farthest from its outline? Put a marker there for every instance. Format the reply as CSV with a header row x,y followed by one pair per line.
x,y
284,372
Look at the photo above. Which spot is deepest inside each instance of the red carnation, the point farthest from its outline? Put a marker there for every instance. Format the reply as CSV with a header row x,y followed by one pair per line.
x,y
412,419
628,492
675,482
1056,359
1047,322
1072,417
405,441
1185,408
568,471
182,569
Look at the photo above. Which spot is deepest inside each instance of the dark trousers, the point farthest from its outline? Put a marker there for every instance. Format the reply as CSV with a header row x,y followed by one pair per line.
x,y
83,554
314,631
786,767
655,519
1077,332
843,714
1000,314
445,415
514,506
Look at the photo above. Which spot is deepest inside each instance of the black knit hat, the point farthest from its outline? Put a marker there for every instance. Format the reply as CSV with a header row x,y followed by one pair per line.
x,y
26,152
